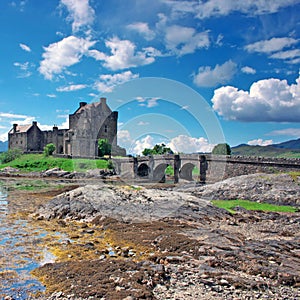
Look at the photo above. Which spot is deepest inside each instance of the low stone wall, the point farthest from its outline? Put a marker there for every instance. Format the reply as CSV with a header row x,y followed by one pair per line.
x,y
231,166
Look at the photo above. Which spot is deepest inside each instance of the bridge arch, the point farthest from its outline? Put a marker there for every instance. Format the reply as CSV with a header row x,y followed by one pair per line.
x,y
143,170
186,171
159,172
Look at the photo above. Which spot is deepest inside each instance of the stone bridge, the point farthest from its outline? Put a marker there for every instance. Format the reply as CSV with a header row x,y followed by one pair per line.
x,y
199,167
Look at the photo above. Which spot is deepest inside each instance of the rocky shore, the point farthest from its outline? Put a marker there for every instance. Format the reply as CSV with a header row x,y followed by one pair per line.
x,y
173,244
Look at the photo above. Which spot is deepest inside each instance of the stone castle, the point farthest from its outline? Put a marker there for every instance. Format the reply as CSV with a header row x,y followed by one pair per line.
x,y
88,124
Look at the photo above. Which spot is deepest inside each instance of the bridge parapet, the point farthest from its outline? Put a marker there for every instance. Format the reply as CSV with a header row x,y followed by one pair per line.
x,y
210,168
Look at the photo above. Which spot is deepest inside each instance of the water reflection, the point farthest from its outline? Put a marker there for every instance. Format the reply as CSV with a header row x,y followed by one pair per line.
x,y
18,254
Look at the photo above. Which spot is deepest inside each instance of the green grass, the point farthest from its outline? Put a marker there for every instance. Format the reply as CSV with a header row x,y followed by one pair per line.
x,y
229,205
38,162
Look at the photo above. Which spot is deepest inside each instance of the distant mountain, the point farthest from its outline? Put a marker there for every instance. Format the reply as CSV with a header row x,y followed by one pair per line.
x,y
3,146
292,144
289,149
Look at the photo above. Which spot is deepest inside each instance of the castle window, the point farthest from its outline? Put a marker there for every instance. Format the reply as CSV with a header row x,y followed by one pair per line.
x,y
105,128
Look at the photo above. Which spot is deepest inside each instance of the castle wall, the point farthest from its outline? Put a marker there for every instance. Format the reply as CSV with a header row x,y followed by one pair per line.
x,y
18,141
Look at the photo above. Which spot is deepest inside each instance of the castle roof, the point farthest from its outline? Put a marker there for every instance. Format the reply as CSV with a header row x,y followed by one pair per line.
x,y
21,128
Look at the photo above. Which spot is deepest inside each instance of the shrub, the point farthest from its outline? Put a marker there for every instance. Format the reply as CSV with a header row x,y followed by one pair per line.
x,y
104,147
10,155
221,149
49,149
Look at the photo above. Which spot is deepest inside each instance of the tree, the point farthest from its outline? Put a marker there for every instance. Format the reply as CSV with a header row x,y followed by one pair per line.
x,y
104,147
10,155
157,149
49,149
222,149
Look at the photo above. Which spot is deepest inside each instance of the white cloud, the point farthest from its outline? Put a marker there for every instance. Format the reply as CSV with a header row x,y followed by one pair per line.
x,y
188,144
25,47
267,100
289,54
107,82
148,102
183,40
80,13
24,68
260,142
287,131
143,29
272,45
248,70
51,95
140,145
142,123
123,55
71,88
65,53
214,8
221,74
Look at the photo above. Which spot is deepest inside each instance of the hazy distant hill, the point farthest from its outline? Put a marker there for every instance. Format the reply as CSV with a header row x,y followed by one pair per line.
x,y
292,144
286,149
3,146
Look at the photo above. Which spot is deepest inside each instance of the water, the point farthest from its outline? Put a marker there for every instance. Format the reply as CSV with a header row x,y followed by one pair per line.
x,y
20,253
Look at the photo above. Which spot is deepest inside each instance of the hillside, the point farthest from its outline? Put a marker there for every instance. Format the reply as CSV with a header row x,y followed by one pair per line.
x,y
3,146
276,150
292,144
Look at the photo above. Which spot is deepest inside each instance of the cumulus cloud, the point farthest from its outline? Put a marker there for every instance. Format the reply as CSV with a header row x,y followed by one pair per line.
x,y
71,88
248,70
271,45
107,82
214,8
183,40
267,100
221,74
260,142
80,13
123,55
25,47
60,55
143,29
188,144
140,145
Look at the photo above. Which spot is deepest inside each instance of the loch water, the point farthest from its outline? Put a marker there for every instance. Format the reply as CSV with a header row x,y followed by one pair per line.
x,y
19,250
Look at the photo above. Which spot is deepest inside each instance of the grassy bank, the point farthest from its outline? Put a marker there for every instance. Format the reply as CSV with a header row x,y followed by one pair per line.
x,y
38,163
229,205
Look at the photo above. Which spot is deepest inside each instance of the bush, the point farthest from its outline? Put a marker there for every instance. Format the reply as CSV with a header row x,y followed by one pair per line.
x,y
104,147
10,155
221,149
49,149
110,165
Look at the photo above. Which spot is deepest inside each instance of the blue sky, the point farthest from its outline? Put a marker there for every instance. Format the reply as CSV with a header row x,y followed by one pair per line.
x,y
187,73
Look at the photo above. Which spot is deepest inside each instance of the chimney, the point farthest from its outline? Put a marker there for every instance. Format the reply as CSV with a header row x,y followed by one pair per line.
x,y
82,104
15,128
34,123
103,101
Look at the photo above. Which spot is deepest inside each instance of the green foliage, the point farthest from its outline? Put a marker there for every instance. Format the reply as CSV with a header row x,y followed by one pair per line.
x,y
169,171
38,162
229,205
49,149
221,149
104,147
10,155
157,150
110,165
